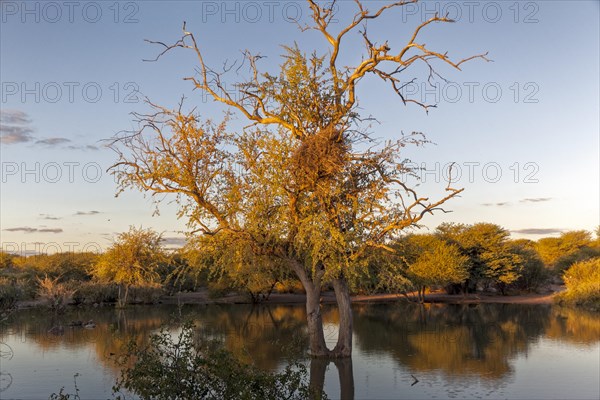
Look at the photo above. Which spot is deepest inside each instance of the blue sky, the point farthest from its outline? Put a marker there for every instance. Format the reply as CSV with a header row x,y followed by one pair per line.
x,y
524,129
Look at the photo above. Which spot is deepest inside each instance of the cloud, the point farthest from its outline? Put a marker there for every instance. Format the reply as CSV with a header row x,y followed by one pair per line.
x,y
537,231
536,200
51,230
53,141
174,241
501,204
14,127
86,147
93,212
15,134
27,229
49,217
14,117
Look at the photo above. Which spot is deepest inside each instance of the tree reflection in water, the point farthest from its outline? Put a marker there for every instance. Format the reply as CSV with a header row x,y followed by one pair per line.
x,y
454,340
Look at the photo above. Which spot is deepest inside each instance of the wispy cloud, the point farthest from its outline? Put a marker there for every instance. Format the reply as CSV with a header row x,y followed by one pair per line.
x,y
15,134
537,231
536,199
50,230
93,212
15,127
49,217
85,148
27,229
174,241
14,117
54,141
501,204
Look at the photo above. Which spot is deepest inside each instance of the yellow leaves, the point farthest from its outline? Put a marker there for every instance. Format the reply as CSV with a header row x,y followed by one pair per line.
x,y
132,259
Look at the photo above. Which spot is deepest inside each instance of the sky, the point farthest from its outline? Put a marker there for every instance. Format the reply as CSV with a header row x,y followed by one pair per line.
x,y
521,130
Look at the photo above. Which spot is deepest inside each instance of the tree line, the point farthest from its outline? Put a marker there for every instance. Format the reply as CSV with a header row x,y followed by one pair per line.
x,y
457,258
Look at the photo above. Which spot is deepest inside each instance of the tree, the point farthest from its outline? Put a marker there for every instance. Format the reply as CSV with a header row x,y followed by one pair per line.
x,y
437,263
567,249
491,259
531,270
305,183
133,259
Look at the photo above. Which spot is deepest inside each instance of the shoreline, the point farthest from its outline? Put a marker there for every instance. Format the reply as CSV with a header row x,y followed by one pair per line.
x,y
202,297
329,298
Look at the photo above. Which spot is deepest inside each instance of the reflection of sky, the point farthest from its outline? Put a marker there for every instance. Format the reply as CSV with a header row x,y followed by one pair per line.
x,y
557,53
38,373
552,370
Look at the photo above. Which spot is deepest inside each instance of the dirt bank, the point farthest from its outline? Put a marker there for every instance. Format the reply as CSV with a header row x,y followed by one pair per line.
x,y
202,297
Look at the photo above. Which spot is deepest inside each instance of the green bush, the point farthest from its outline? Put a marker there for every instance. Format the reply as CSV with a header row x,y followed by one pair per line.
x,y
187,369
10,293
184,369
583,284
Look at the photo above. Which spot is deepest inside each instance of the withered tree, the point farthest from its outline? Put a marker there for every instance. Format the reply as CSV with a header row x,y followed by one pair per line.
x,y
305,183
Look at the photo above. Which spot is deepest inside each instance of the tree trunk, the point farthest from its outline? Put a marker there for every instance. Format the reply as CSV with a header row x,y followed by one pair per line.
x,y
316,337
312,287
122,300
343,348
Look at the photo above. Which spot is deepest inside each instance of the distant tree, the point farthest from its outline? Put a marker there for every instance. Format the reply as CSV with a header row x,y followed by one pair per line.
x,y
438,263
491,261
531,270
133,259
559,253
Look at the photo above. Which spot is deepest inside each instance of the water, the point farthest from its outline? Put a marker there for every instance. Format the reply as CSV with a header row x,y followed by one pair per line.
x,y
485,351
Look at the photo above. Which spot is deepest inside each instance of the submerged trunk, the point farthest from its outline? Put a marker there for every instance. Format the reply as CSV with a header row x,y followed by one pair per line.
x,y
343,348
316,336
312,287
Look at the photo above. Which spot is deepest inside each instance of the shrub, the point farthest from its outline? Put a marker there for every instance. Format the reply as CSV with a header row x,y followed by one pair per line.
x,y
94,292
186,369
583,284
146,294
56,294
218,289
10,293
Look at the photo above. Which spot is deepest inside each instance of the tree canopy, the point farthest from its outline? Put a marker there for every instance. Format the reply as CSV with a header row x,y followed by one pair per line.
x,y
306,181
134,258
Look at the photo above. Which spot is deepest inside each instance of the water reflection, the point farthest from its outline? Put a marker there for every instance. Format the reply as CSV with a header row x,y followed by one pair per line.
x,y
465,341
455,339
